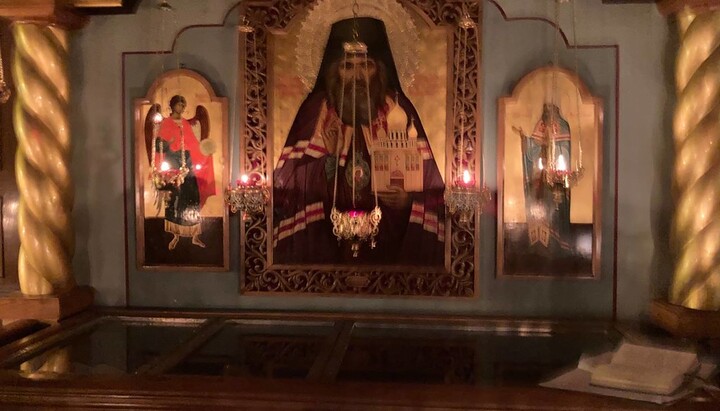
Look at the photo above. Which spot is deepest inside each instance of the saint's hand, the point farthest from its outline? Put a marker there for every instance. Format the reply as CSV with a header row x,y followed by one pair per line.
x,y
394,197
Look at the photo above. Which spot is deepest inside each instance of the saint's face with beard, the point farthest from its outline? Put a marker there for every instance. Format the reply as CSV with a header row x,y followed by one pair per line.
x,y
357,70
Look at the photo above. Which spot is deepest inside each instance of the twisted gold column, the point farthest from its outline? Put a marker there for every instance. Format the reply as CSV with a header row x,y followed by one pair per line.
x,y
696,128
52,364
42,161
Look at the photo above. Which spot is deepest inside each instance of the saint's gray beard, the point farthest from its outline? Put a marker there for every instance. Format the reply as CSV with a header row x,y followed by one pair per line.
x,y
362,114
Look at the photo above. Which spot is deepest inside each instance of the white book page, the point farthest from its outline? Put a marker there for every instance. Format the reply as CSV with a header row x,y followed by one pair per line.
x,y
653,358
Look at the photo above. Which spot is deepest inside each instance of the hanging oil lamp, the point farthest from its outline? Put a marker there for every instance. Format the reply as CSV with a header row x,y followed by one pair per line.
x,y
464,198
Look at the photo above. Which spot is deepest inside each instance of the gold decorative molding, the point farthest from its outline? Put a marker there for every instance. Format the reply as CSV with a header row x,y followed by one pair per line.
x,y
696,128
669,7
97,3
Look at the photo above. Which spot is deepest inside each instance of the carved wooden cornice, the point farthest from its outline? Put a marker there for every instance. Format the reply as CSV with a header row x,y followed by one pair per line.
x,y
97,3
669,7
70,14
58,12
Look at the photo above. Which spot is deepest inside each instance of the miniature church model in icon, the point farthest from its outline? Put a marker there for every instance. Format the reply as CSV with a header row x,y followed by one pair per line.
x,y
396,157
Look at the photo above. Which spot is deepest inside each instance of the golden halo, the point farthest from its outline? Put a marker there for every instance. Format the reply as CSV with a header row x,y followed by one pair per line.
x,y
315,30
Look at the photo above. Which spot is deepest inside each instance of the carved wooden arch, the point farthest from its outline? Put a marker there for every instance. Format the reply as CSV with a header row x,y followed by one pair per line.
x,y
195,87
258,275
514,111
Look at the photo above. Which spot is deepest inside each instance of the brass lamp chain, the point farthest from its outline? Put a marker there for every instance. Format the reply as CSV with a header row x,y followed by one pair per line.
x,y
463,74
577,99
177,55
355,11
4,89
156,124
250,39
163,7
153,150
370,130
2,70
183,153
478,135
356,36
551,160
167,8
352,136
183,156
255,75
456,109
339,143
461,62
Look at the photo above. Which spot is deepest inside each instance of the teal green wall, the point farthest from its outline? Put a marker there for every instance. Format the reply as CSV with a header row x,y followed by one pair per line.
x,y
109,70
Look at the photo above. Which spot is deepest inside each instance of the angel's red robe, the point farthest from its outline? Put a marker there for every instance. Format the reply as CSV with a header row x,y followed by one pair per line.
x,y
186,201
303,196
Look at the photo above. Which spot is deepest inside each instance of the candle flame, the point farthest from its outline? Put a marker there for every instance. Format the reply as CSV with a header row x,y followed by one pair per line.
x,y
466,177
244,179
540,164
157,117
561,164
165,166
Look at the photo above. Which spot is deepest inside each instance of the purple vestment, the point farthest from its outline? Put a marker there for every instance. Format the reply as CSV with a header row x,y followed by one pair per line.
x,y
303,195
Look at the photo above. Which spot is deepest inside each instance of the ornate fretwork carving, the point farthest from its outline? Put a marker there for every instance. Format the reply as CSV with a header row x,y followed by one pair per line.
x,y
257,274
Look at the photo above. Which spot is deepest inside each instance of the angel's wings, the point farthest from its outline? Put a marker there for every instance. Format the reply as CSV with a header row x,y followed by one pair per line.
x,y
148,129
200,123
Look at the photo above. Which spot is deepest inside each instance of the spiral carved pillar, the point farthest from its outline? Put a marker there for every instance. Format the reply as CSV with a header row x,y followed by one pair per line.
x,y
42,161
48,291
696,129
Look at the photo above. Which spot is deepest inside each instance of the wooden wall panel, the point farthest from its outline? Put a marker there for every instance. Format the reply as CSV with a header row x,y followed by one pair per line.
x,y
9,244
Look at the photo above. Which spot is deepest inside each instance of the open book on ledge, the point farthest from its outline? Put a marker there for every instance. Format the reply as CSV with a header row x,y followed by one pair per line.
x,y
637,372
645,369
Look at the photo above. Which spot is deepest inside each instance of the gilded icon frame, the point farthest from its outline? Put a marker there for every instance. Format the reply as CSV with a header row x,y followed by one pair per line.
x,y
210,112
519,253
259,273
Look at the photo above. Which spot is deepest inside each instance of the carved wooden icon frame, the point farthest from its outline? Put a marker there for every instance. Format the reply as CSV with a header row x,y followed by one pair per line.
x,y
156,245
259,273
534,238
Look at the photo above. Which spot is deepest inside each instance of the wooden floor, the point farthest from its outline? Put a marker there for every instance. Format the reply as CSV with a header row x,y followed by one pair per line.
x,y
126,359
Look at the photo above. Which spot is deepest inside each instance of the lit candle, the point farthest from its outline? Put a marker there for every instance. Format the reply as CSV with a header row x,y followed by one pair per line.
x,y
244,180
157,118
580,156
466,180
540,164
561,164
164,166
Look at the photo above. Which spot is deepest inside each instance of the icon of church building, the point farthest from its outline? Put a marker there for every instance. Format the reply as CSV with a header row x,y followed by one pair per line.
x,y
396,158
